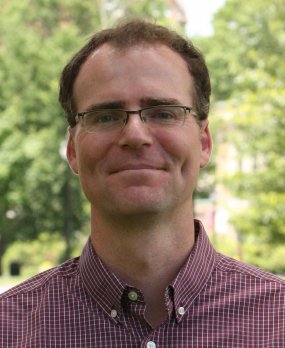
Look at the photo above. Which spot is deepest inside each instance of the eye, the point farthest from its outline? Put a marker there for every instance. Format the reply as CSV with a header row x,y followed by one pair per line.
x,y
103,117
161,115
164,115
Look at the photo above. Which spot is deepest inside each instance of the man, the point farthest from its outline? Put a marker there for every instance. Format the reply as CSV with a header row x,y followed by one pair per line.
x,y
137,99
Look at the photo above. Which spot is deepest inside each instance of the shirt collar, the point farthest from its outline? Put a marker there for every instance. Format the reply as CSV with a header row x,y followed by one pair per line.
x,y
195,273
102,285
107,290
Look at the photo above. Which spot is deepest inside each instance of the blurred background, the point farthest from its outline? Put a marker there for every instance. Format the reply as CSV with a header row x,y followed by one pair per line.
x,y
240,195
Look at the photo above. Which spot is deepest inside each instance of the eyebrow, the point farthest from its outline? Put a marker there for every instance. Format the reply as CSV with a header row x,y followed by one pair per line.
x,y
144,102
106,105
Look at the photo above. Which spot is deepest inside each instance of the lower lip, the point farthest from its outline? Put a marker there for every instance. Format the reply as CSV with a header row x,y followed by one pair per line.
x,y
138,170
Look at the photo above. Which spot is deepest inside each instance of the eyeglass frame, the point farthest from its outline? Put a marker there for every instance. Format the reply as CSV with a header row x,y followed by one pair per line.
x,y
186,108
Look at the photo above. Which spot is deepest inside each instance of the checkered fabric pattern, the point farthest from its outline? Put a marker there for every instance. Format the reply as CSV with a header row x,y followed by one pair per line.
x,y
214,301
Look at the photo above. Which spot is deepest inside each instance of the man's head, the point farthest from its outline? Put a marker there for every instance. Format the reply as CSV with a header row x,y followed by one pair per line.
x,y
135,141
127,35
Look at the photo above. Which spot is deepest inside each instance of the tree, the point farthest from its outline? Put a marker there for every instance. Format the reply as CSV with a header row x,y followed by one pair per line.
x,y
245,56
38,194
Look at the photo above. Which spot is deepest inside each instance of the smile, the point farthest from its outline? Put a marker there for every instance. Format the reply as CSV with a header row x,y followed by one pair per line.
x,y
137,168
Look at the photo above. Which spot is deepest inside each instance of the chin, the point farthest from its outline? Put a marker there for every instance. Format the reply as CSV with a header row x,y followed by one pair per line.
x,y
147,204
137,202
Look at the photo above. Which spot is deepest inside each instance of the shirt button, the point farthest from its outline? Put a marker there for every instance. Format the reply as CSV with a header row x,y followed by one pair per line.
x,y
181,310
150,344
133,296
114,313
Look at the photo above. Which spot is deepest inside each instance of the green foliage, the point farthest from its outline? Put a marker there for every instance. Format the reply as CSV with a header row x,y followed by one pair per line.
x,y
245,56
250,41
32,128
37,38
253,251
37,255
264,255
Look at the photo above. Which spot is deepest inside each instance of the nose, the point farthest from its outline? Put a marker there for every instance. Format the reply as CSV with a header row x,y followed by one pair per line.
x,y
135,133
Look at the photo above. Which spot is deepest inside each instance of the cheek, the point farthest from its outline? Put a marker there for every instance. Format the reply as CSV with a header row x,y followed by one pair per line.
x,y
86,154
87,171
93,152
184,148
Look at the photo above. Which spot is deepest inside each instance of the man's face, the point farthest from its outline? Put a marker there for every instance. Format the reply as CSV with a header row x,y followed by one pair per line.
x,y
137,169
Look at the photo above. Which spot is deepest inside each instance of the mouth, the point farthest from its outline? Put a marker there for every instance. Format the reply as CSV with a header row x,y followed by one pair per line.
x,y
136,167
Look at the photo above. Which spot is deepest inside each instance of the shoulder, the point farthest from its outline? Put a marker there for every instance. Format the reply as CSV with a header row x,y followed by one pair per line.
x,y
54,276
230,267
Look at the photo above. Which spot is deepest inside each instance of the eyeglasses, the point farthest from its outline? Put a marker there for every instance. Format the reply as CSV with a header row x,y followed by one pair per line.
x,y
99,120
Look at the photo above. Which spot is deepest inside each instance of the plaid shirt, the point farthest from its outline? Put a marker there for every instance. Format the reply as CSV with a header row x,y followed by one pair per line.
x,y
214,301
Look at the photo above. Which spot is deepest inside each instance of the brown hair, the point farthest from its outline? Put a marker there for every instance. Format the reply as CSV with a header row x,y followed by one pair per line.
x,y
132,33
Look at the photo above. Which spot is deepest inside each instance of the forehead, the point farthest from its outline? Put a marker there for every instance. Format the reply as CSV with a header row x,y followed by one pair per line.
x,y
133,73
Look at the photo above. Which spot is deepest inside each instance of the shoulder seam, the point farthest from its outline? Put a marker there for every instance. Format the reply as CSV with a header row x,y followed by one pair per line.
x,y
235,266
39,280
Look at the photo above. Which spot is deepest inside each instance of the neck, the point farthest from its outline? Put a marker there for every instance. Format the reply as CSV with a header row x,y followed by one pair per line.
x,y
146,254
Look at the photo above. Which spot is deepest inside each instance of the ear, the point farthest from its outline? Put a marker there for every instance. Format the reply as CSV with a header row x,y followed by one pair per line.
x,y
71,151
206,144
